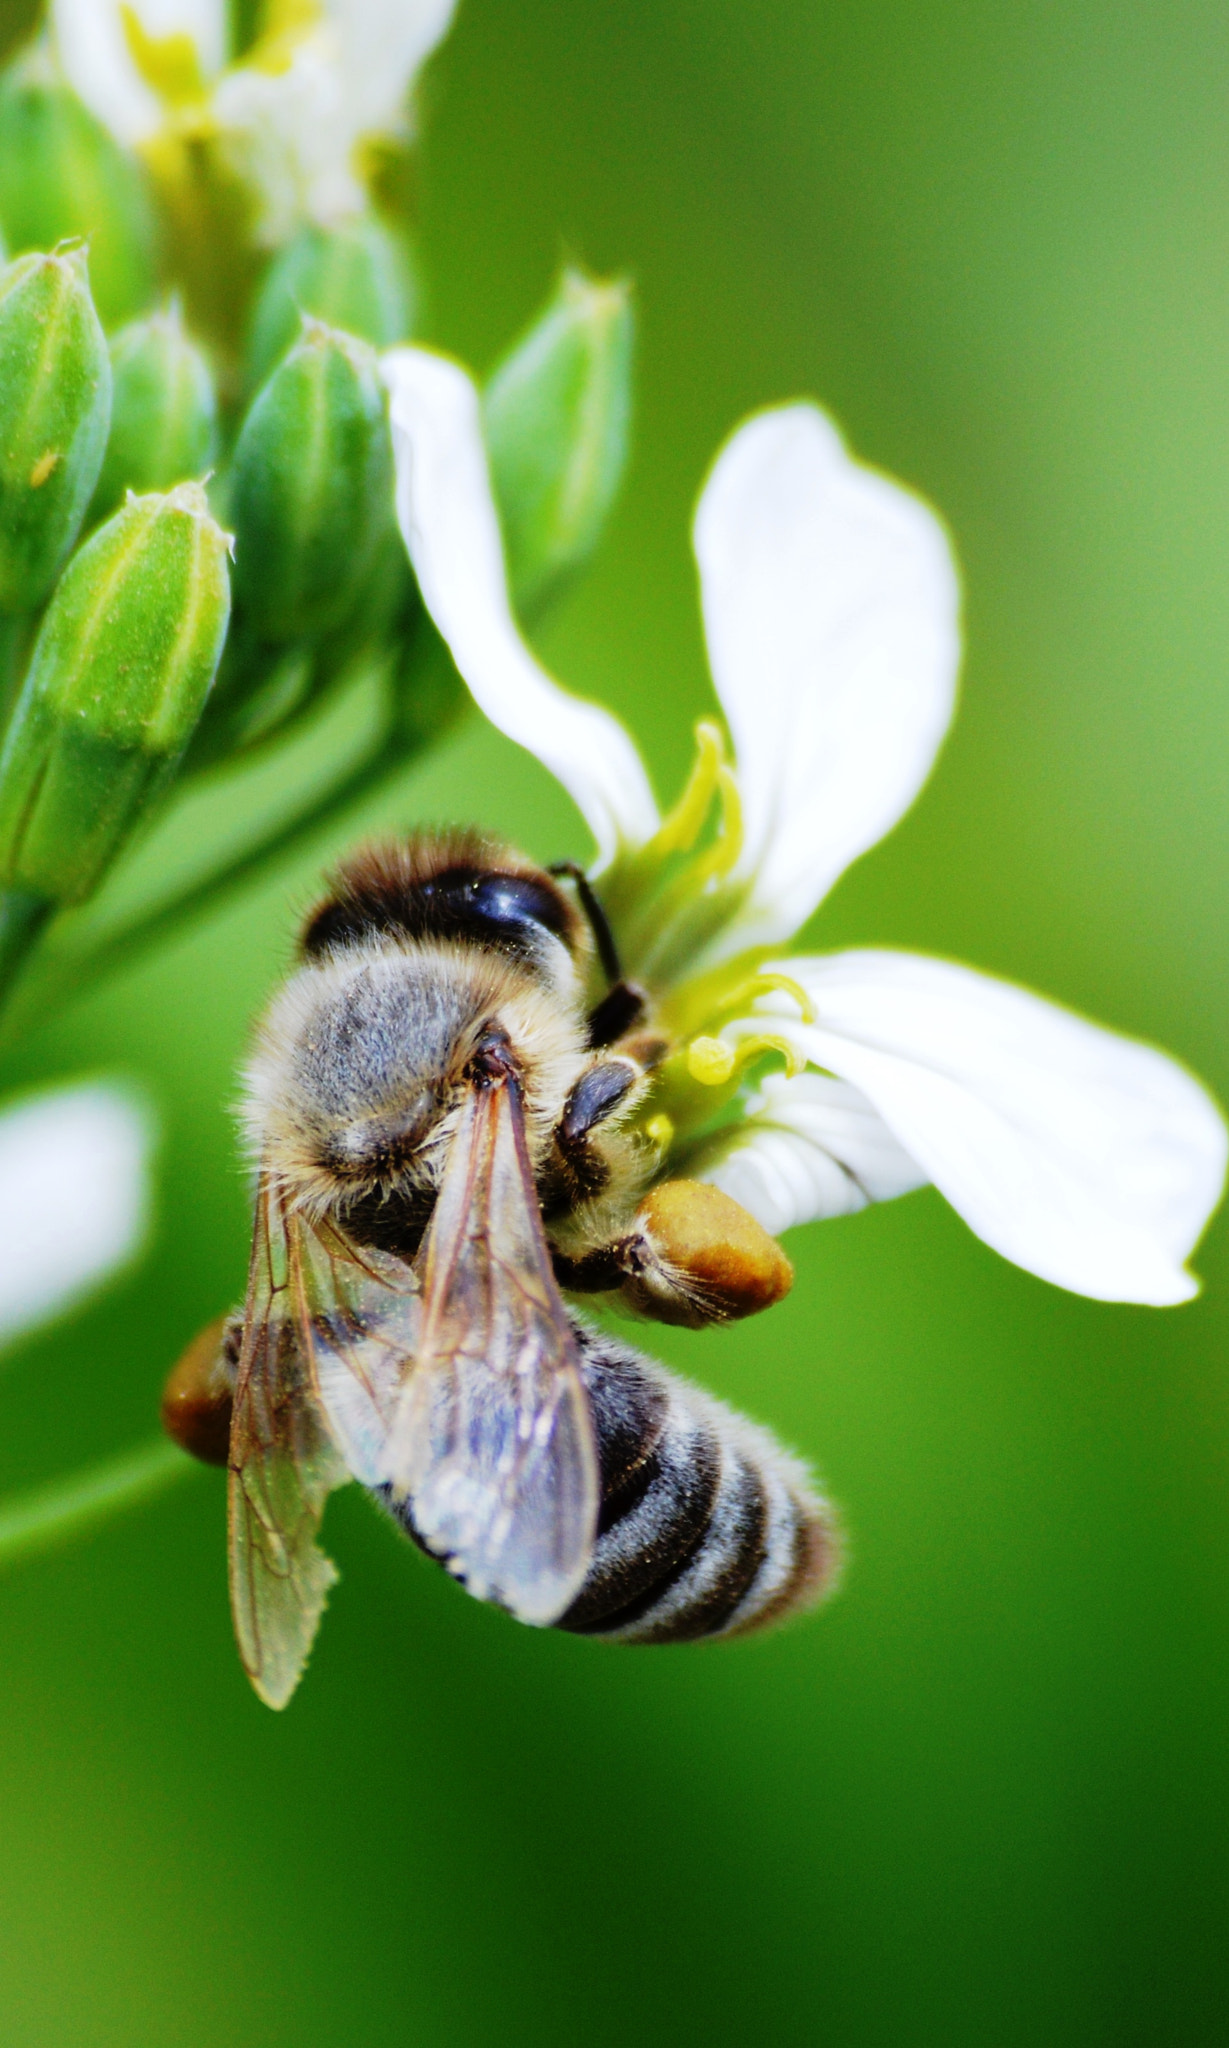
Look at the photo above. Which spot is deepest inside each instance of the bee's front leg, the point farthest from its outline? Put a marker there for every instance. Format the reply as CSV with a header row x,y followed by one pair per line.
x,y
692,1256
579,1169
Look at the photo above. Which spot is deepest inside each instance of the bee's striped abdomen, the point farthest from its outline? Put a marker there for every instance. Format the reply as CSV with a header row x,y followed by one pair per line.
x,y
707,1527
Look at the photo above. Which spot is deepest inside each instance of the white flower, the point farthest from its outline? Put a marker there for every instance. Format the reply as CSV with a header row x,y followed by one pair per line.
x,y
830,605
95,47
74,1196
289,114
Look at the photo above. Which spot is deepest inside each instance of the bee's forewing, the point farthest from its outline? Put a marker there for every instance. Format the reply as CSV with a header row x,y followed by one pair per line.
x,y
493,1440
283,1466
329,1330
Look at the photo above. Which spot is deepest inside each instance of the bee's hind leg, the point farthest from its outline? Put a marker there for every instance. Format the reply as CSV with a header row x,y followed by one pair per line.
x,y
692,1256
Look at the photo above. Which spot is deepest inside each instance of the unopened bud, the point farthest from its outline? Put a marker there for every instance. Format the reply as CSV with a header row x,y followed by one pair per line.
x,y
164,414
556,416
356,276
311,487
119,674
55,403
62,175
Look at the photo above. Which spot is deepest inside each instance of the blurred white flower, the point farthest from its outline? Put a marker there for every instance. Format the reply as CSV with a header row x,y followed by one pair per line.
x,y
289,113
830,604
74,1196
101,43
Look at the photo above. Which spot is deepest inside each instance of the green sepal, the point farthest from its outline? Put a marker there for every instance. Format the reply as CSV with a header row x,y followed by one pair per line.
x,y
556,418
358,277
164,412
117,681
311,489
62,175
55,406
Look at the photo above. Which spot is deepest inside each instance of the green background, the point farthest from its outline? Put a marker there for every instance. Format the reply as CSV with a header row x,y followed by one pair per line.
x,y
983,1798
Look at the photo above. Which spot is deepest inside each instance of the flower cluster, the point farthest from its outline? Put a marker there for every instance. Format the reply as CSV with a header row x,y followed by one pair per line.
x,y
288,116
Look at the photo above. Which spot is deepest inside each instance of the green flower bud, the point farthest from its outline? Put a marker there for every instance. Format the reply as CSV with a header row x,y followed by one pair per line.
x,y
311,488
357,277
556,414
117,681
55,404
62,175
164,415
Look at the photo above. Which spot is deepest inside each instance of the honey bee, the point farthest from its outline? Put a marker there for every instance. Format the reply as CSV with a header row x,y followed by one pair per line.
x,y
444,1125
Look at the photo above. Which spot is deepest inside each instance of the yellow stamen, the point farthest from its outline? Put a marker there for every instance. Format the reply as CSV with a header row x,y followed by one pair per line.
x,y
710,1061
694,880
751,1049
660,1131
681,827
730,840
291,17
287,22
169,64
738,1002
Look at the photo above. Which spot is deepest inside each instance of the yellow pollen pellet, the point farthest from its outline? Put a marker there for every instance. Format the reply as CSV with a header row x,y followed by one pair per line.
x,y
660,1130
710,1061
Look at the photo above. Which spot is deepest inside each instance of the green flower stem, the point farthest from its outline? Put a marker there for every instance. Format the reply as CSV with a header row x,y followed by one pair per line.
x,y
379,764
427,702
16,633
65,1508
23,915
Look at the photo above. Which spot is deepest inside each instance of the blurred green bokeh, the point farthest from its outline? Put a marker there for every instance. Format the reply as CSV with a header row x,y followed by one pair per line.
x,y
985,1798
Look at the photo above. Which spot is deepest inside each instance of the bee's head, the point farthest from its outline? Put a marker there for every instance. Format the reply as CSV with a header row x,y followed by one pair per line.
x,y
361,1062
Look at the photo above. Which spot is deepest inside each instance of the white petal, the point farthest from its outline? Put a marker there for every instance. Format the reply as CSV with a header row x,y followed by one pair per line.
x,y
811,1146
94,51
1090,1159
383,44
451,529
292,131
73,1196
831,606
291,135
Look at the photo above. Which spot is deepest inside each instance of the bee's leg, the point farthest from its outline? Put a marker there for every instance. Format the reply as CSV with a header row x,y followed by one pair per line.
x,y
578,1164
622,1007
624,1004
199,1394
693,1256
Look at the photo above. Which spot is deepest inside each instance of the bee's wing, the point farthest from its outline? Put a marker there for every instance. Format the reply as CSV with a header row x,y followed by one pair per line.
x,y
285,1458
493,1440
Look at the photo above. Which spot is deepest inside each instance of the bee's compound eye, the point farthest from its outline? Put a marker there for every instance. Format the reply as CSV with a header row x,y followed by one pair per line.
x,y
697,1256
199,1393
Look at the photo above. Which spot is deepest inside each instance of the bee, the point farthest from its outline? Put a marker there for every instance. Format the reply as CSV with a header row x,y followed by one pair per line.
x,y
444,1124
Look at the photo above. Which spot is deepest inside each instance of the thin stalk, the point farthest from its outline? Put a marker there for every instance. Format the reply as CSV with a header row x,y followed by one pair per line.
x,y
16,634
426,702
52,1514
116,948
118,945
23,915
